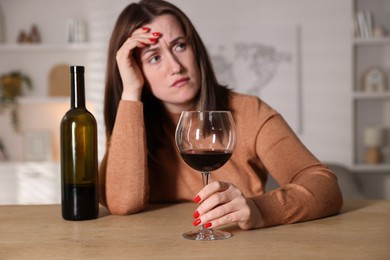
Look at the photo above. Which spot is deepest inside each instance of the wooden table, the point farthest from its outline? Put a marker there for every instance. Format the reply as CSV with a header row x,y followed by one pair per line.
x,y
361,231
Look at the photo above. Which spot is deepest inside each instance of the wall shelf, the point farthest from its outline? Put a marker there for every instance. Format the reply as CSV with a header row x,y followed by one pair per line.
x,y
371,96
371,41
371,168
42,100
39,47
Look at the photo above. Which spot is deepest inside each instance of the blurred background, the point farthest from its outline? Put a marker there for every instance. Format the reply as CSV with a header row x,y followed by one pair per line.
x,y
325,65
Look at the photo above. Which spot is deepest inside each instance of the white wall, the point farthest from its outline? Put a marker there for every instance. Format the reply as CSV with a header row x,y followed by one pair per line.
x,y
325,72
324,43
325,63
325,75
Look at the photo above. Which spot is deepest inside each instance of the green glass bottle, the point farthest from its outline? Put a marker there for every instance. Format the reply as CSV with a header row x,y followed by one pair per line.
x,y
79,165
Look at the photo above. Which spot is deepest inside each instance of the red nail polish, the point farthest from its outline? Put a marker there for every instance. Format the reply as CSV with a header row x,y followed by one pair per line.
x,y
145,28
196,214
156,34
207,225
152,39
197,199
196,222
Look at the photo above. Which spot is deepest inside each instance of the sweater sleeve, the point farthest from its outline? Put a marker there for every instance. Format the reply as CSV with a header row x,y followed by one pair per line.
x,y
308,190
123,171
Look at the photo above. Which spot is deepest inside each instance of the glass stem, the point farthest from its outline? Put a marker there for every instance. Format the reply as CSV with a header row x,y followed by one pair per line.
x,y
205,180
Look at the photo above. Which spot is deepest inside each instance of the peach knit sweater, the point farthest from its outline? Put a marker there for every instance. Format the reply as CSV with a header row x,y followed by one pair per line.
x,y
265,144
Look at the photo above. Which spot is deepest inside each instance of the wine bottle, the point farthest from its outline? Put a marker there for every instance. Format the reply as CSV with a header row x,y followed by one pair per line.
x,y
79,165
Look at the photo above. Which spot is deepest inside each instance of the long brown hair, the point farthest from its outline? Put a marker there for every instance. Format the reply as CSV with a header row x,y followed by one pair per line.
x,y
132,17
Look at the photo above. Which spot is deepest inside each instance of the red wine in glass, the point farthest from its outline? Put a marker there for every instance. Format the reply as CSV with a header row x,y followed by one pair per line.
x,y
206,140
206,160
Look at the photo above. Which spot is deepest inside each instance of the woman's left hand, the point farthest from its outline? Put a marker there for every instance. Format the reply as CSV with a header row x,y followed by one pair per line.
x,y
223,203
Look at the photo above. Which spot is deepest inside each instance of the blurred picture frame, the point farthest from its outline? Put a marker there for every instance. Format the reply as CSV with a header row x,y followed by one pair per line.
x,y
37,145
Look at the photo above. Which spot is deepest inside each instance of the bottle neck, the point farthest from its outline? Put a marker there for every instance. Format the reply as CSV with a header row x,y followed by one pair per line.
x,y
77,92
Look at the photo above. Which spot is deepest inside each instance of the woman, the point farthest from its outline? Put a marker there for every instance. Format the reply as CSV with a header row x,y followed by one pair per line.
x,y
158,66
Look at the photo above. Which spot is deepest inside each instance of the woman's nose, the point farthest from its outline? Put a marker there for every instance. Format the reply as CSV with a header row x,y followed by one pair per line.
x,y
175,66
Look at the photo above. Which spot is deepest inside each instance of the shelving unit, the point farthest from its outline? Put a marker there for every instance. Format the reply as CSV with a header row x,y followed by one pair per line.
x,y
36,60
371,108
37,109
30,183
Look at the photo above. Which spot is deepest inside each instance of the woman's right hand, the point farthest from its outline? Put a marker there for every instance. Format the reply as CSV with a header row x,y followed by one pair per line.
x,y
131,75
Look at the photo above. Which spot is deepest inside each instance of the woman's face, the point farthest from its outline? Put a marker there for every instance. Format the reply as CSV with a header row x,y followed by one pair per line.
x,y
169,66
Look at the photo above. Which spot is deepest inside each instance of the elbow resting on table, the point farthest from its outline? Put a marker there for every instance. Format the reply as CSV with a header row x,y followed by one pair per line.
x,y
123,208
328,194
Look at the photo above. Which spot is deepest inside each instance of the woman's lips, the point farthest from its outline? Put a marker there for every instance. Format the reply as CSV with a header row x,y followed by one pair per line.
x,y
180,82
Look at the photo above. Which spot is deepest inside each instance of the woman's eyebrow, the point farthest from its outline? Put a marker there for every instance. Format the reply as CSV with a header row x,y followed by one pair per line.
x,y
148,49
153,48
176,40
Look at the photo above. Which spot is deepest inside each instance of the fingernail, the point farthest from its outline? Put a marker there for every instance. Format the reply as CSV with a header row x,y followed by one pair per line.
x,y
196,222
145,28
196,214
197,199
156,34
207,225
152,39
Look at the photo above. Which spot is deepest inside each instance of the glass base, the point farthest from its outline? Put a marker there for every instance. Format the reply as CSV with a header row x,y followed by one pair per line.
x,y
206,235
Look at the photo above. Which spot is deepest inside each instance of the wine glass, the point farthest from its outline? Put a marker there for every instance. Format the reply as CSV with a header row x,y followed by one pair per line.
x,y
205,140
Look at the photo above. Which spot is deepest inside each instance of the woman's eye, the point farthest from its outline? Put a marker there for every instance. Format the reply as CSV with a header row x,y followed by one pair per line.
x,y
180,47
154,59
